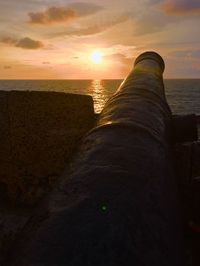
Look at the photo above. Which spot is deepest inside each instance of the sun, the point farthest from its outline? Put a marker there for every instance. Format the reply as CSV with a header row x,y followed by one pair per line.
x,y
96,57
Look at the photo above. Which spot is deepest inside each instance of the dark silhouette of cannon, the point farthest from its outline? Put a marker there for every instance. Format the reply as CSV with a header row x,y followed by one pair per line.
x,y
119,206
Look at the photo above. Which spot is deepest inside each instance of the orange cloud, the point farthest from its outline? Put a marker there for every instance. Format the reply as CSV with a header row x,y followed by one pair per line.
x,y
25,43
93,29
46,63
8,40
28,43
120,58
52,15
7,67
181,7
100,27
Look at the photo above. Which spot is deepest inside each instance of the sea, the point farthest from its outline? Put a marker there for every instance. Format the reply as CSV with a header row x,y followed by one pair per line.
x,y
183,95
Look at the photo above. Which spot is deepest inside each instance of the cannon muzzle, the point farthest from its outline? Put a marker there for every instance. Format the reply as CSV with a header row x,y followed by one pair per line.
x,y
119,206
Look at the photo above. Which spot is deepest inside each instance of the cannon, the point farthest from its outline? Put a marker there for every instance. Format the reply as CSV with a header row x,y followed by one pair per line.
x,y
119,204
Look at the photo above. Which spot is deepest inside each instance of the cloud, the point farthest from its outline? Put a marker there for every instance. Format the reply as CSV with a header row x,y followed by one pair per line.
x,y
96,28
123,62
181,7
193,54
52,15
149,26
151,21
85,9
46,63
197,66
28,43
55,14
121,54
100,27
8,40
7,67
120,57
25,43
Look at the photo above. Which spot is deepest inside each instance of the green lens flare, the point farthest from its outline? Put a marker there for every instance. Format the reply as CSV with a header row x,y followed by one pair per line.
x,y
104,208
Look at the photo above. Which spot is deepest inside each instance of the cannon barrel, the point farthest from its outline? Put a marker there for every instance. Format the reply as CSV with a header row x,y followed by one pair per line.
x,y
119,206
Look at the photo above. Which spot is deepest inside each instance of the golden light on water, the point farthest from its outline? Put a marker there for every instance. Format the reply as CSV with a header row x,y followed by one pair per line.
x,y
96,57
98,94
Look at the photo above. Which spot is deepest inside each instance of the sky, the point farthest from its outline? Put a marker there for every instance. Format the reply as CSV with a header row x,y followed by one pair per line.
x,y
56,39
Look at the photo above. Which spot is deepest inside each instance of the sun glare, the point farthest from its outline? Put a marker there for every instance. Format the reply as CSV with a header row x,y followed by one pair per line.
x,y
96,57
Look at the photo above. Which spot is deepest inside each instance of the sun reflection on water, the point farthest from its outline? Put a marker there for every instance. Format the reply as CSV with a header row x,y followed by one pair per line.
x,y
97,91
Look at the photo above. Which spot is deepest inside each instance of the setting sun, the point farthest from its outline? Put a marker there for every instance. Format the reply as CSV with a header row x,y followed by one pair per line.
x,y
96,57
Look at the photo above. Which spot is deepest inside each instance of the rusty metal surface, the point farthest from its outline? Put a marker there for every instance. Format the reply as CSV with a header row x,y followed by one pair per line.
x,y
119,206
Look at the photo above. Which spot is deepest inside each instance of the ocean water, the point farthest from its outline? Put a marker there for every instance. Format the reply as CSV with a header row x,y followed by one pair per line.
x,y
183,95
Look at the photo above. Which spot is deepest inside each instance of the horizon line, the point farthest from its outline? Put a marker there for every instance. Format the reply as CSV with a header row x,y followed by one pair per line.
x,y
178,78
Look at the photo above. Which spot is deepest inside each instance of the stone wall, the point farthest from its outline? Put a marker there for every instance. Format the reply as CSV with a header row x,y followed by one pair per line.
x,y
38,133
